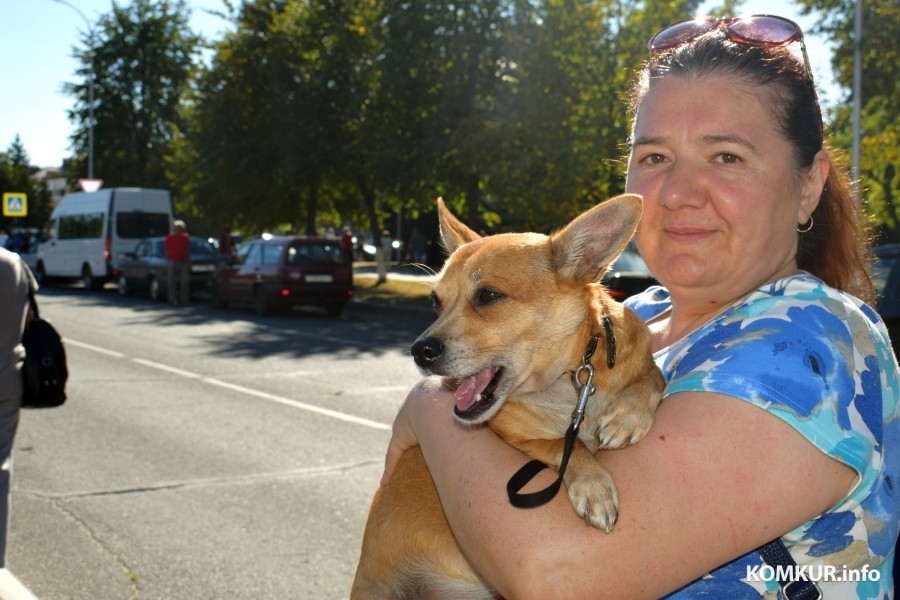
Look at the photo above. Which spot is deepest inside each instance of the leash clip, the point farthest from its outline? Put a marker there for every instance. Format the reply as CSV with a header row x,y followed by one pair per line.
x,y
584,391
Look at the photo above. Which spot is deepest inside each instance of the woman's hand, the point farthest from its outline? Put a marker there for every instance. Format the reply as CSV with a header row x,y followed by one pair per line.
x,y
404,436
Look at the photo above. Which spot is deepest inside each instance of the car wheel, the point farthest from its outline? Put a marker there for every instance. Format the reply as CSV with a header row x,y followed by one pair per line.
x,y
123,286
215,296
87,277
334,310
155,291
260,303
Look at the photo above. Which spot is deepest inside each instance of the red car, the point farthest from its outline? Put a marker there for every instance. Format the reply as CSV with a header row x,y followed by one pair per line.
x,y
280,272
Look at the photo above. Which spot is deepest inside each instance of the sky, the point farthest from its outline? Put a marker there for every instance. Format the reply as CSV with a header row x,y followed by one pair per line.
x,y
37,38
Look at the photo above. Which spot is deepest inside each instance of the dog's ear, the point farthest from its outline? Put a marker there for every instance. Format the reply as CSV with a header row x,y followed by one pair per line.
x,y
453,233
587,245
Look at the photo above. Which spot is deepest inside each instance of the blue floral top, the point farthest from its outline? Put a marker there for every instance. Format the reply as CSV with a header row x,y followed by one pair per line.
x,y
821,360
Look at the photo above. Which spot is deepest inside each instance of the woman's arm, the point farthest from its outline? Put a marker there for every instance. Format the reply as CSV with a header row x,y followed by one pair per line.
x,y
715,478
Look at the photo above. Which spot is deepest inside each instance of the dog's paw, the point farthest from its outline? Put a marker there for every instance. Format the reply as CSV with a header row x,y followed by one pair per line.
x,y
624,425
595,499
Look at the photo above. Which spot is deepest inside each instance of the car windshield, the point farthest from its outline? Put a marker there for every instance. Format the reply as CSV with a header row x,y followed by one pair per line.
x,y
201,246
316,254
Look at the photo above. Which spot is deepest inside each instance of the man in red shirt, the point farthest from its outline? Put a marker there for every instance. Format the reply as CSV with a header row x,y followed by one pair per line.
x,y
178,250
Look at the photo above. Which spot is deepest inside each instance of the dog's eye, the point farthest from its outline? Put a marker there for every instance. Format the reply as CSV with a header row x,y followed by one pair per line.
x,y
487,296
435,302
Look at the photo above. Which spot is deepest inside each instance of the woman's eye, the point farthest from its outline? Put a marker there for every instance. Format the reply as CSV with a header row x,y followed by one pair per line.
x,y
487,296
728,158
654,159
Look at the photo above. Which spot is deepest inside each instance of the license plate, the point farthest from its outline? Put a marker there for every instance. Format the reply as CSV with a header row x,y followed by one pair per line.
x,y
202,268
320,278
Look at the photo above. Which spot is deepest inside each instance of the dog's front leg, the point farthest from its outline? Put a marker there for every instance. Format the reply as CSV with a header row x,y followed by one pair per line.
x,y
590,486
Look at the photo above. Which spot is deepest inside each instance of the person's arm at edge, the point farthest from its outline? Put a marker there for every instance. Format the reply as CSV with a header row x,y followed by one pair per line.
x,y
715,478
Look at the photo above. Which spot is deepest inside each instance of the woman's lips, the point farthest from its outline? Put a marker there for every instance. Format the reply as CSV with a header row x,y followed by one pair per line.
x,y
688,234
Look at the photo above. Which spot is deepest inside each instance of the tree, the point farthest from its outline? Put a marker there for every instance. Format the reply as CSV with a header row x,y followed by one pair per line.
x,y
880,139
143,58
15,177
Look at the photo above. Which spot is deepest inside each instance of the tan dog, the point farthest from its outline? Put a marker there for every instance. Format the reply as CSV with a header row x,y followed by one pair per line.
x,y
516,313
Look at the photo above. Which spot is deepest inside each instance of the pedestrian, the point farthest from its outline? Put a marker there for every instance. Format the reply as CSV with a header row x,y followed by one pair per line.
x,y
347,243
780,418
226,243
178,250
14,308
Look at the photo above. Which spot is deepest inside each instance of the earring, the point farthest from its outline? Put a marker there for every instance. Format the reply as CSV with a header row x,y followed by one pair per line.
x,y
808,228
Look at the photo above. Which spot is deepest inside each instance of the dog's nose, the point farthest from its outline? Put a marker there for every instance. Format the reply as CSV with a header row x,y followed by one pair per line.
x,y
427,350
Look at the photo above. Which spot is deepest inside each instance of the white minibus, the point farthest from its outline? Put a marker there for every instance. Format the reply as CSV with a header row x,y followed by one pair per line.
x,y
89,231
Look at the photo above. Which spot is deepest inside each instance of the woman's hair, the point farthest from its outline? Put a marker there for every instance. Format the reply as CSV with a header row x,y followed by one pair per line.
x,y
837,248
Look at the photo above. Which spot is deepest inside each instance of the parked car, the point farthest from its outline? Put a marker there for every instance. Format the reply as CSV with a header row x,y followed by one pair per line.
x,y
886,277
147,268
281,272
628,275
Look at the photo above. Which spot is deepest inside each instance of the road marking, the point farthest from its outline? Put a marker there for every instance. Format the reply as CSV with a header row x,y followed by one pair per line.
x,y
297,404
94,348
12,589
161,367
239,388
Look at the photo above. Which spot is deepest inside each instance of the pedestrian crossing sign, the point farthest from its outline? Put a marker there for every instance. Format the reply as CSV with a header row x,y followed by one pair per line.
x,y
15,205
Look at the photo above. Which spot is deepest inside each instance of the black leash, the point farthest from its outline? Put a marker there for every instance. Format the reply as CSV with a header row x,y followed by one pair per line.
x,y
585,390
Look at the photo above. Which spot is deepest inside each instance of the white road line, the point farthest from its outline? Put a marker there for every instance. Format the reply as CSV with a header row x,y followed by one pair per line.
x,y
93,348
239,388
12,589
161,367
297,404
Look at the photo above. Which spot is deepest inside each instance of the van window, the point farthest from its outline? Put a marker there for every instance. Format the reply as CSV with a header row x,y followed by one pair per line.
x,y
50,230
74,227
136,225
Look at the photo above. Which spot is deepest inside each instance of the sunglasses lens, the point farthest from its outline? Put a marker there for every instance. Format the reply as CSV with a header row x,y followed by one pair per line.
x,y
679,33
766,30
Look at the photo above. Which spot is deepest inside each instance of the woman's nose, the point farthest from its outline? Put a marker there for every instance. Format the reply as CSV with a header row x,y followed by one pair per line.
x,y
681,188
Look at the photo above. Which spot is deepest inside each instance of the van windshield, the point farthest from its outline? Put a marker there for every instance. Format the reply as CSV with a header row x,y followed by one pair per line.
x,y
137,225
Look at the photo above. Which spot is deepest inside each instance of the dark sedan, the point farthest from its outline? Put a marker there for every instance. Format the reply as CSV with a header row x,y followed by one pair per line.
x,y
147,269
280,272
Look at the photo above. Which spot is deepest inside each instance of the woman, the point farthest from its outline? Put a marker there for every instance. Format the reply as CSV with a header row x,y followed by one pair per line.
x,y
781,411
15,279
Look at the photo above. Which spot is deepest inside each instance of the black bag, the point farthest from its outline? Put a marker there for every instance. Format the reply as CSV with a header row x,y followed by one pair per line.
x,y
44,372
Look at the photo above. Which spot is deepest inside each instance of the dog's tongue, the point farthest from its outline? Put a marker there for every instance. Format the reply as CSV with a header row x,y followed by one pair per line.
x,y
469,391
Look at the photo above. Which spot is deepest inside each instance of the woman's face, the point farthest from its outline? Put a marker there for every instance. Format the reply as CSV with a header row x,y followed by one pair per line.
x,y
722,199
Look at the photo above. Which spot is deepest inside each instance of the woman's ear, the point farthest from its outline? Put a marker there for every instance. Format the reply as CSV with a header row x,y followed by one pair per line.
x,y
813,185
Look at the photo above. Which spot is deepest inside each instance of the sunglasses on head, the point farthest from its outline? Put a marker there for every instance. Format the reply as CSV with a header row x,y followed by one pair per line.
x,y
757,30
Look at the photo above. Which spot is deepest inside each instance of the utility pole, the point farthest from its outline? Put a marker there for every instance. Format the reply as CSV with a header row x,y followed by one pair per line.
x,y
857,99
90,88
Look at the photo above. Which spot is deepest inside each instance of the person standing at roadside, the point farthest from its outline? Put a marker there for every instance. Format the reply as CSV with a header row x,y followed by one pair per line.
x,y
14,282
178,250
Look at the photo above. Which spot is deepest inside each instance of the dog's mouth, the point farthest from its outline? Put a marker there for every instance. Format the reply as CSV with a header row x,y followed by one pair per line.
x,y
475,393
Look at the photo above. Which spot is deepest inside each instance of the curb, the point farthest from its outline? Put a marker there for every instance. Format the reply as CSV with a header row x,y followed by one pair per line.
x,y
12,589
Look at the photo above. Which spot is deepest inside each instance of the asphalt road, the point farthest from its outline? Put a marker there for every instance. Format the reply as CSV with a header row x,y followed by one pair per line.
x,y
205,454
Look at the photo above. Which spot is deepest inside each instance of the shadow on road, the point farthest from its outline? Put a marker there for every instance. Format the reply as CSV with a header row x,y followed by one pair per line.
x,y
238,331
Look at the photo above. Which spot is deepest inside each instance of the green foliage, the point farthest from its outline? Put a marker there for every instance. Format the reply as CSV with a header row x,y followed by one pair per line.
x,y
142,58
15,177
880,127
